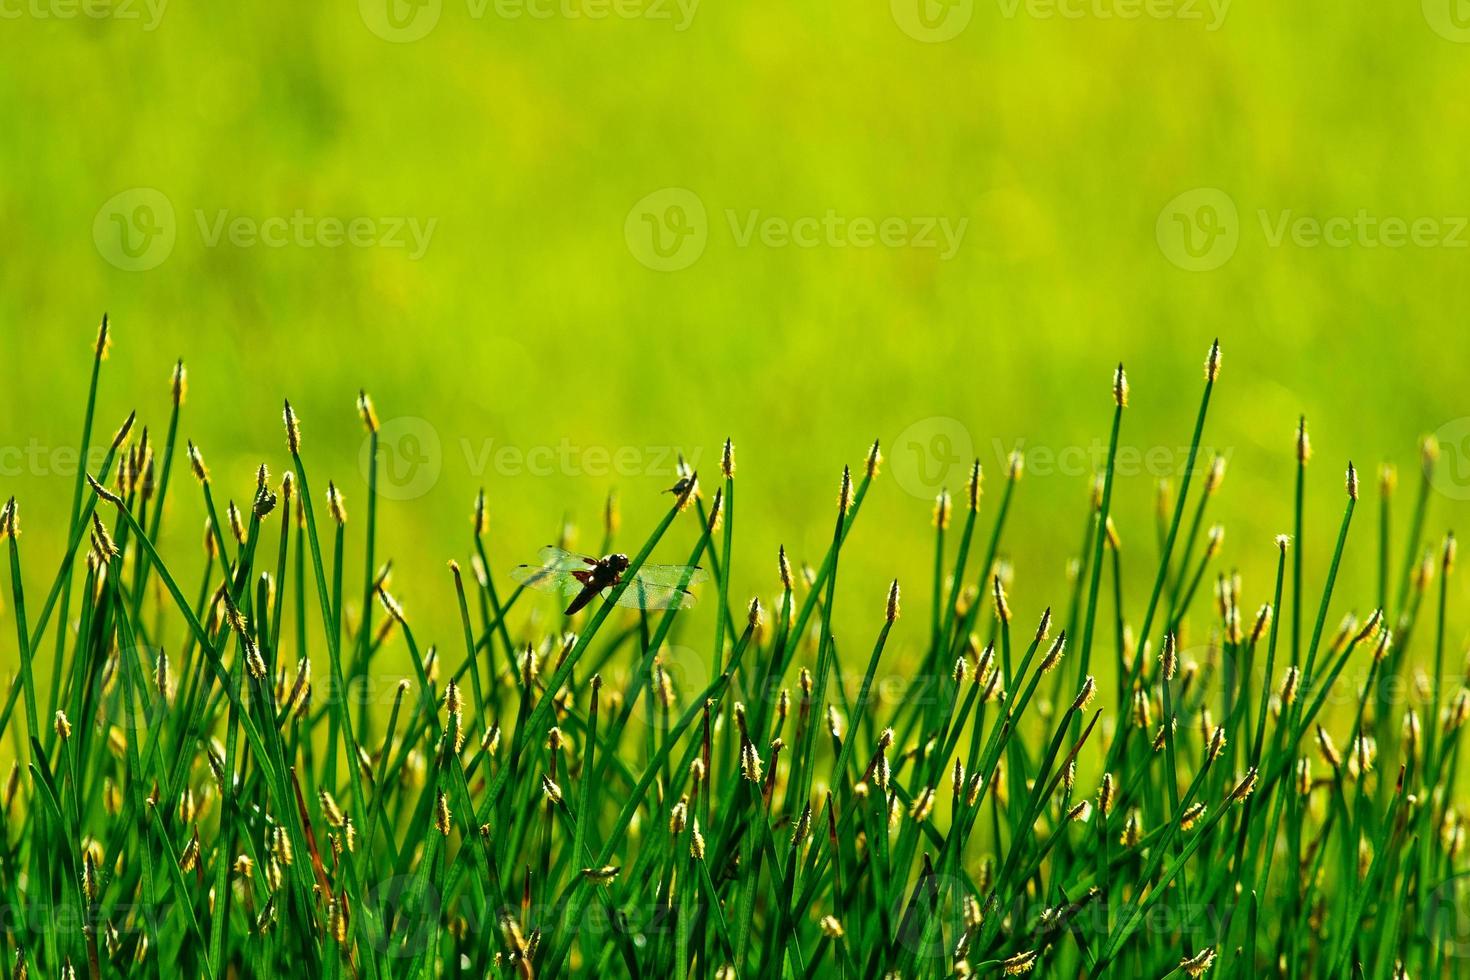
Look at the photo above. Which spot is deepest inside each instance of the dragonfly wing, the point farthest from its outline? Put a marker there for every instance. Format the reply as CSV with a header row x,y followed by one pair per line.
x,y
672,576
641,594
555,571
563,560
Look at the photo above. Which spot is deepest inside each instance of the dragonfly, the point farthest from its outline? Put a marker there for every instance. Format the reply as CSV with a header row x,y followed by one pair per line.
x,y
582,578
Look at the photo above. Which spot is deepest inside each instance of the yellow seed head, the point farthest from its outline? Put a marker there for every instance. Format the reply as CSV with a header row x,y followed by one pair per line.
x,y
874,460
1019,964
941,510
1084,696
196,463
366,412
293,429
331,812
1197,964
1245,787
442,814
1105,795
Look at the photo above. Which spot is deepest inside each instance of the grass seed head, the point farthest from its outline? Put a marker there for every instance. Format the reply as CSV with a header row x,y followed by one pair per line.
x,y
1168,657
335,504
1120,387
196,463
1020,964
750,762
1212,363
1015,465
831,928
366,412
1352,482
1217,742
1054,655
1105,795
293,428
121,435
974,485
1429,456
442,814
717,510
873,461
1388,480
891,609
1002,608
1197,964
63,726
331,812
1289,684
1303,442
178,383
1244,787
1191,815
727,460
1216,475
9,520
1304,775
941,510
1132,830
844,492
1263,623
1328,749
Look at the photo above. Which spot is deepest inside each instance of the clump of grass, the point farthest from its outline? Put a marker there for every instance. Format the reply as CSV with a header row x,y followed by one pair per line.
x,y
194,793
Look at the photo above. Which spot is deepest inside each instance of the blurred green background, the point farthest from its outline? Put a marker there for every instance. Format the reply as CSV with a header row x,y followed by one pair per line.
x,y
611,262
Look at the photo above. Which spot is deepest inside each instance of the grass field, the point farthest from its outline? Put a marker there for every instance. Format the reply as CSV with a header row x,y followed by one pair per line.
x,y
217,774
563,243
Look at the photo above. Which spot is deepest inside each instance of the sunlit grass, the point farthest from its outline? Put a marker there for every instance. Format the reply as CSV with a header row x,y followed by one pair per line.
x,y
212,779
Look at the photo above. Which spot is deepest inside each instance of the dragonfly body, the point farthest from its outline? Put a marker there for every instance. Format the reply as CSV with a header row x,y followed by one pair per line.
x,y
604,574
583,578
